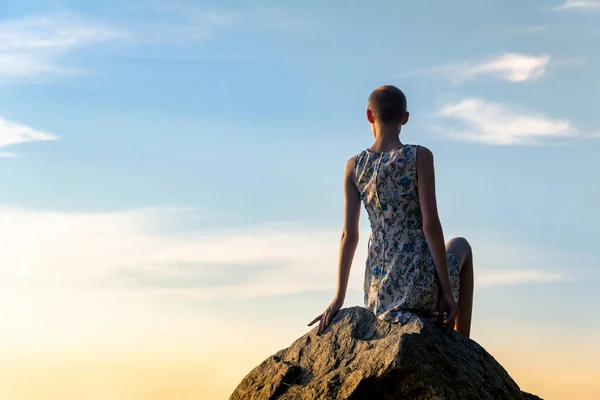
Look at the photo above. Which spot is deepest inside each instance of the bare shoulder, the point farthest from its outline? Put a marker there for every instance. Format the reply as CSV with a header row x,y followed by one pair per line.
x,y
350,165
423,153
351,161
424,164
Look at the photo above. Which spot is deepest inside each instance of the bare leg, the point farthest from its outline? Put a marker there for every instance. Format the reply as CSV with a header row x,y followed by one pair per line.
x,y
464,255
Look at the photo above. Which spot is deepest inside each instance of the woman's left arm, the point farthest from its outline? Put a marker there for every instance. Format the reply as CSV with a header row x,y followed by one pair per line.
x,y
348,245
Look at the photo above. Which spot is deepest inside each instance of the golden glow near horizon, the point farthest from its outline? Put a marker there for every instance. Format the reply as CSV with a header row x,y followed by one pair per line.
x,y
125,349
185,372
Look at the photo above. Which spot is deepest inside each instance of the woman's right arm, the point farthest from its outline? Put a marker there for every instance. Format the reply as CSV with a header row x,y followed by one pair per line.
x,y
348,245
432,227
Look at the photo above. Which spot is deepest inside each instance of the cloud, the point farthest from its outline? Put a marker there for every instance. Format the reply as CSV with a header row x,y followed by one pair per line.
x,y
186,21
512,67
110,276
12,133
113,246
132,252
252,17
182,22
499,124
492,278
39,46
580,5
35,46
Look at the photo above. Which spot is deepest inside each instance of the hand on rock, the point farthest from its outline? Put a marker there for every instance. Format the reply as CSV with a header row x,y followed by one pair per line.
x,y
447,305
325,318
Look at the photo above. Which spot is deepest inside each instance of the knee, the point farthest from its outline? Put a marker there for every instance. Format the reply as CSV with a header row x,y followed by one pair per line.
x,y
459,243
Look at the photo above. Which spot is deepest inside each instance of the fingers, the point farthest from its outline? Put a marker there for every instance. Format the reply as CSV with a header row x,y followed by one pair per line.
x,y
449,324
440,319
315,320
325,318
328,320
449,321
323,323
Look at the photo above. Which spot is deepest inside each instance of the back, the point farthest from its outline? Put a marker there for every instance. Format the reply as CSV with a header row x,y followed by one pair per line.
x,y
400,275
387,183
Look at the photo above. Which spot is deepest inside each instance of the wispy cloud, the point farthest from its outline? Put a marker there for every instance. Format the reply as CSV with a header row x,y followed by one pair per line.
x,y
580,5
511,67
37,46
180,20
12,133
493,278
132,252
498,124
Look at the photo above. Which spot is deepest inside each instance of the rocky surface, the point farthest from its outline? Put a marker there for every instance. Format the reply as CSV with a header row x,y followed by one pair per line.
x,y
360,357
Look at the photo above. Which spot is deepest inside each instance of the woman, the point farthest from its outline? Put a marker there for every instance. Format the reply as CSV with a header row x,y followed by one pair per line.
x,y
409,270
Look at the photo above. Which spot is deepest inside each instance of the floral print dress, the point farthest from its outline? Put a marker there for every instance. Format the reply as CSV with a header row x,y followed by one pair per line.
x,y
400,277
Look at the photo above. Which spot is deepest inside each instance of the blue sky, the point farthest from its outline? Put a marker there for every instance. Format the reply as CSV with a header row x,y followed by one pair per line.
x,y
191,153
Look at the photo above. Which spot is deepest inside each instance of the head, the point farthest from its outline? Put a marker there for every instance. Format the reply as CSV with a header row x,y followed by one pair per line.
x,y
386,110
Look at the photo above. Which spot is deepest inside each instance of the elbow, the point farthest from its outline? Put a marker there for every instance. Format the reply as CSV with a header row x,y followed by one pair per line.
x,y
350,237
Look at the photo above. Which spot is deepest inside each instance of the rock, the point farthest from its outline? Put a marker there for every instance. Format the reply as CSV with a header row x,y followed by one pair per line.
x,y
360,357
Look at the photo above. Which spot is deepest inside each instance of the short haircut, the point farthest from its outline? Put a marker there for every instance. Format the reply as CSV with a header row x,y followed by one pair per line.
x,y
387,104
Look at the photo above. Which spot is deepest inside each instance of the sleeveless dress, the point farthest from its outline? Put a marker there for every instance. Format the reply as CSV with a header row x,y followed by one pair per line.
x,y
400,276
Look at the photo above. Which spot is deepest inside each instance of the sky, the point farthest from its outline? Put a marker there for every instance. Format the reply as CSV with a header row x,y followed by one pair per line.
x,y
171,181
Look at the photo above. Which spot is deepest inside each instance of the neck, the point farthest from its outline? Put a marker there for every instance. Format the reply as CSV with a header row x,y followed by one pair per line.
x,y
387,138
